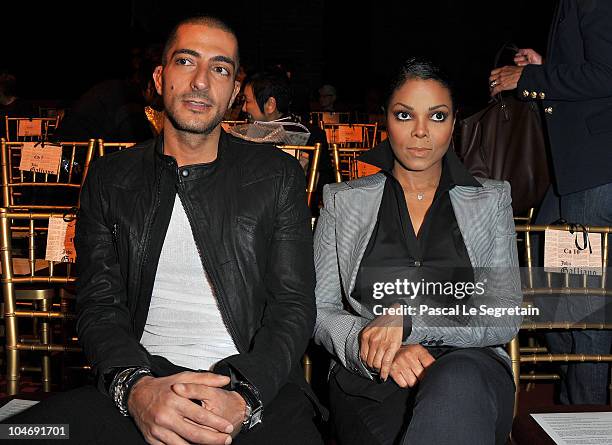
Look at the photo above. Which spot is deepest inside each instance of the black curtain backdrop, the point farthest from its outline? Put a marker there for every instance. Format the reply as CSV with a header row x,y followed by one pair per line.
x,y
58,50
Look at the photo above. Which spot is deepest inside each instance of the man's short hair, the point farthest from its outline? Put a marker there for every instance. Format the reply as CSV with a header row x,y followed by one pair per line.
x,y
204,20
266,85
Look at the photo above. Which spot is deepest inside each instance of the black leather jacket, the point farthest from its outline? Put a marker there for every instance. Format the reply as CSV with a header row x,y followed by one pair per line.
x,y
252,228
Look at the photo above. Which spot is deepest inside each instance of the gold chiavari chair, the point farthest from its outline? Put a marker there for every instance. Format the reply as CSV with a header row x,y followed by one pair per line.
x,y
17,285
556,285
351,135
329,117
52,112
31,191
105,148
313,152
346,165
226,125
524,219
25,189
24,129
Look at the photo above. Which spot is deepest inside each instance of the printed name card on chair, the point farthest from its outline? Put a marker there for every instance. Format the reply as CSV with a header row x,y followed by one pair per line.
x,y
39,158
348,133
60,240
365,169
29,127
574,253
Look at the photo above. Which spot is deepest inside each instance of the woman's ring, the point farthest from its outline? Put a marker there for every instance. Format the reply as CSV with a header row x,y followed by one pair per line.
x,y
493,83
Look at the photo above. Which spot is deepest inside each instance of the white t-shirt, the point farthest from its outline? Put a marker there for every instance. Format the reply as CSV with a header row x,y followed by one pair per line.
x,y
184,323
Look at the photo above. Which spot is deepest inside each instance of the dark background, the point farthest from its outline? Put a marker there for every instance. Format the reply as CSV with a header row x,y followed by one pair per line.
x,y
58,50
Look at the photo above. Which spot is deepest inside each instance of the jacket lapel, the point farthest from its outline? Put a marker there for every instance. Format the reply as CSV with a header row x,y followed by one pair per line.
x,y
357,211
475,211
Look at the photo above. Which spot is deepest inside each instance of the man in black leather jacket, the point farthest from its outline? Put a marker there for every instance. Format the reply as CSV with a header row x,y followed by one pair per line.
x,y
246,208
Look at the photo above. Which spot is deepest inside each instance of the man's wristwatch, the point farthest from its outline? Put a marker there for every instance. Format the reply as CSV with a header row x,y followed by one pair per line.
x,y
254,406
122,385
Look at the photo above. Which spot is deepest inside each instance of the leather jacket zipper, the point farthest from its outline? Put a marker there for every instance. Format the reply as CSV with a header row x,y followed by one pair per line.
x,y
225,315
116,239
147,237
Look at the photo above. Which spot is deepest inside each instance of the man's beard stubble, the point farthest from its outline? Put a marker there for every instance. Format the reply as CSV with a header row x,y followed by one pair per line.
x,y
197,127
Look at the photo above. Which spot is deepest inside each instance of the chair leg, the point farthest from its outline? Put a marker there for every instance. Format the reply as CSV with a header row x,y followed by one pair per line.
x,y
45,340
12,355
307,364
12,371
65,339
515,357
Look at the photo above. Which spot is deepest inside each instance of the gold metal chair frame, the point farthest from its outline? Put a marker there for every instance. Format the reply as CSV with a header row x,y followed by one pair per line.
x,y
368,134
313,166
48,126
329,117
105,148
11,289
226,125
13,178
533,354
345,161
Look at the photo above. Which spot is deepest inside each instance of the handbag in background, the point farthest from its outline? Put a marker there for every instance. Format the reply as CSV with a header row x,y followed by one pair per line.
x,y
506,141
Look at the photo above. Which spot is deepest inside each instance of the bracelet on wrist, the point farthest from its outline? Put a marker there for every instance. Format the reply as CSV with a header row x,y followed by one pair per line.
x,y
122,385
254,406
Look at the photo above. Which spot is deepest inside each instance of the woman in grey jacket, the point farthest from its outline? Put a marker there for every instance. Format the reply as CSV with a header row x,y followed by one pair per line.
x,y
418,285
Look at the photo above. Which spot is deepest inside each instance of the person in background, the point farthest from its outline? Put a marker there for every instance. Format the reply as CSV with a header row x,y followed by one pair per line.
x,y
574,85
234,113
327,98
114,110
268,99
11,104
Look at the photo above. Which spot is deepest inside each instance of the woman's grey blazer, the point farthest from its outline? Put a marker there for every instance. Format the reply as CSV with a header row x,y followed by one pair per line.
x,y
484,216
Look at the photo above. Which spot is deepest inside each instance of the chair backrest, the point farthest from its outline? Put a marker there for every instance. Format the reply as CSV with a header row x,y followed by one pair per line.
x,y
52,112
105,148
20,129
226,125
346,163
329,117
309,156
548,290
44,239
351,135
531,285
44,175
526,218
44,242
523,219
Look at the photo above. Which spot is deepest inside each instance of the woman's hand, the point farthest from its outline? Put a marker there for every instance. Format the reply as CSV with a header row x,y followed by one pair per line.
x,y
409,365
505,78
379,341
527,56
